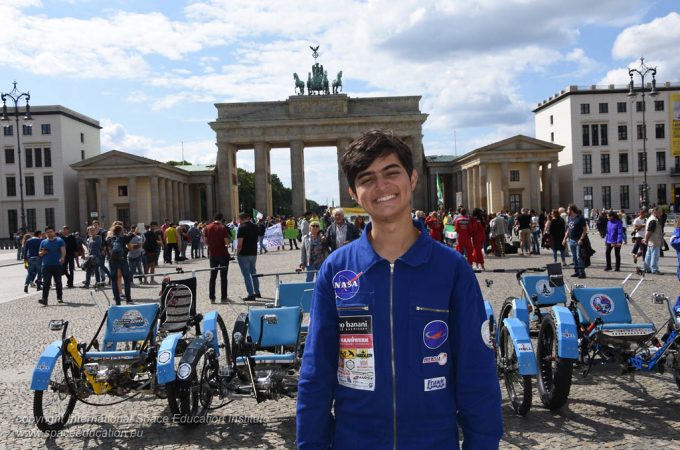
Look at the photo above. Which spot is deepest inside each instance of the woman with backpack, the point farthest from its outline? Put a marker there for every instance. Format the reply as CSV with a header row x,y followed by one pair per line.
x,y
117,249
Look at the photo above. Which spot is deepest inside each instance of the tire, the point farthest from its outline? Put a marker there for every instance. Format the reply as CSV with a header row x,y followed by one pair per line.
x,y
190,400
554,373
517,385
53,407
505,312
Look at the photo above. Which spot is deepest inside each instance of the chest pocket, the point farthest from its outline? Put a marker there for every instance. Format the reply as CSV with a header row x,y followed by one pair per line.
x,y
429,342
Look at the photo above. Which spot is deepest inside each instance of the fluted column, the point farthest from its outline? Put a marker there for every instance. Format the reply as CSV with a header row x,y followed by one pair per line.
x,y
187,203
554,184
132,200
505,185
343,185
104,202
172,201
82,204
297,176
162,201
483,199
420,192
155,200
534,201
545,187
210,202
263,185
466,184
474,201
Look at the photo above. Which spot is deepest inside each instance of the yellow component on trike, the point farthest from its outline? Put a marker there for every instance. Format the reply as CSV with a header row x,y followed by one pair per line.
x,y
72,349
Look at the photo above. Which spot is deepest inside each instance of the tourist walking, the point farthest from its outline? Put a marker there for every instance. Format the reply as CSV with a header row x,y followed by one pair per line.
x,y
478,233
556,229
117,249
53,253
33,262
218,239
313,250
341,231
577,230
523,225
498,228
71,250
153,244
653,240
135,241
613,238
247,255
94,254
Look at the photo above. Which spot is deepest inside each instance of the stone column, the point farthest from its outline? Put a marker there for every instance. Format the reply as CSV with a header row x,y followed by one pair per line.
x,y
132,200
534,201
420,193
82,204
104,203
554,184
475,188
263,185
483,198
172,200
180,201
227,182
188,203
343,185
162,201
466,188
505,185
155,200
545,187
297,176
210,203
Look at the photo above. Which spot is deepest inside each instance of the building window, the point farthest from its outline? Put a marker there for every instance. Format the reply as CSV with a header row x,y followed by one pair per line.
x,y
9,131
82,138
551,119
12,221
515,202
640,106
9,156
38,157
588,197
123,192
604,108
586,135
587,164
623,132
604,162
29,181
47,153
29,157
658,105
642,162
11,187
82,155
30,219
660,130
585,108
514,175
49,217
594,135
604,140
621,107
552,136
606,197
46,128
641,132
623,162
27,131
660,161
48,182
661,194
624,193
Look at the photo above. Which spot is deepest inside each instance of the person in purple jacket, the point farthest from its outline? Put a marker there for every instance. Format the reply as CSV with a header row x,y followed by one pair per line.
x,y
614,239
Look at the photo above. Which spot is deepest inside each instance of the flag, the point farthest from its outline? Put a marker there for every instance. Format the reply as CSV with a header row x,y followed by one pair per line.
x,y
440,191
257,214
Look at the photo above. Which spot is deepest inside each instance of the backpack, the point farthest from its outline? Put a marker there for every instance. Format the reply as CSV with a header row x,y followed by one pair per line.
x,y
117,249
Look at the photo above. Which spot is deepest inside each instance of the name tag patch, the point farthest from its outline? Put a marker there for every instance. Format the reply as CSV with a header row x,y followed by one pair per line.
x,y
435,384
439,359
356,363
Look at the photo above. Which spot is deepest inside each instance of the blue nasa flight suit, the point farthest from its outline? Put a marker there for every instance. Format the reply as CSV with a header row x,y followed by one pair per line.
x,y
420,320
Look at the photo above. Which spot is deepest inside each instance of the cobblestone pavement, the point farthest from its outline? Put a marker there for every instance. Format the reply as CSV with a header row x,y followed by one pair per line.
x,y
605,410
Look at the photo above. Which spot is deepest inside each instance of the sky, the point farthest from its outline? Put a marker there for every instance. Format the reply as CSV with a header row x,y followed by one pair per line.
x,y
151,71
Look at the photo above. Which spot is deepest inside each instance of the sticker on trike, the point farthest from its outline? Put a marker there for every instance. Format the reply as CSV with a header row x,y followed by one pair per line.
x,y
486,334
543,288
131,320
602,304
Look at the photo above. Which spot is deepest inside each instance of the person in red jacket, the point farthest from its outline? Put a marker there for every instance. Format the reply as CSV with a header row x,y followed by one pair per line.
x,y
478,233
464,241
436,226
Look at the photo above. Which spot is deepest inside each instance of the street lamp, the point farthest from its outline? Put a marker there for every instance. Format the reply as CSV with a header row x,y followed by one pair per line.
x,y
642,71
15,96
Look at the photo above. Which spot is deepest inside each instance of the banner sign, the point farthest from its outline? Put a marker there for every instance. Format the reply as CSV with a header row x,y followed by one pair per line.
x,y
273,237
674,112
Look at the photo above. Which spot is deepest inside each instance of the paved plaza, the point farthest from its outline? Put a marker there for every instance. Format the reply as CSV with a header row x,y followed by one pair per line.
x,y
605,410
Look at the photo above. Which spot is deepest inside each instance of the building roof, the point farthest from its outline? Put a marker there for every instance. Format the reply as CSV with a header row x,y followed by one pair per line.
x,y
196,168
43,110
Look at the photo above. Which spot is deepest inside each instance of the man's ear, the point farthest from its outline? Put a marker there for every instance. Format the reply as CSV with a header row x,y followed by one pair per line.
x,y
352,194
414,179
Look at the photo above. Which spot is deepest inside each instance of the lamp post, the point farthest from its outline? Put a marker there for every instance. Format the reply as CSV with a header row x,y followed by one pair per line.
x,y
642,71
15,96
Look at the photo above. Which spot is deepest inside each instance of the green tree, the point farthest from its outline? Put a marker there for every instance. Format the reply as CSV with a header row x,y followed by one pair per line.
x,y
178,163
281,195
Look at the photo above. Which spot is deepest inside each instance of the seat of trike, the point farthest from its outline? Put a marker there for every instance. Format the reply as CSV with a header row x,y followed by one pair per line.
x,y
272,328
544,290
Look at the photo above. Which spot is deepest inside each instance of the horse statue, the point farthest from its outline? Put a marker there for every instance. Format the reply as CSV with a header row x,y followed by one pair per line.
x,y
299,85
324,84
337,83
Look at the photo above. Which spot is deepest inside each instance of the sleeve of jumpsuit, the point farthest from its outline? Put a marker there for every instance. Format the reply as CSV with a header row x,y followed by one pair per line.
x,y
318,375
478,393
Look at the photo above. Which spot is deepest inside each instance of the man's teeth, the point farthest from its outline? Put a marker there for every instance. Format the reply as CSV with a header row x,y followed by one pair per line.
x,y
387,197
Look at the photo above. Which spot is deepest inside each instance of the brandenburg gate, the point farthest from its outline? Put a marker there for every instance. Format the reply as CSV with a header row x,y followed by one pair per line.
x,y
301,122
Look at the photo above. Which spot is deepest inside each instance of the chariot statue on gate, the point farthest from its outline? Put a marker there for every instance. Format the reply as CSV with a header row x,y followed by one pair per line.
x,y
317,80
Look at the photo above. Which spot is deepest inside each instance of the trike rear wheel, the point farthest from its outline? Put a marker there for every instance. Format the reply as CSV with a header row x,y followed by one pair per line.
x,y
53,406
517,385
554,373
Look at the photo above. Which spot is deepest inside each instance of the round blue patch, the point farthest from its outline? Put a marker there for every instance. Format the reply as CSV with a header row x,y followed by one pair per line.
x,y
346,284
435,334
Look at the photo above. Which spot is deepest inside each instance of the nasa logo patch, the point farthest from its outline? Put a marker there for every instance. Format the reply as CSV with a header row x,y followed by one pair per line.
x,y
602,304
346,284
435,334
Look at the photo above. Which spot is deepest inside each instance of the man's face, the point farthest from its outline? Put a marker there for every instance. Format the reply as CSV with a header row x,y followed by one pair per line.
x,y
339,218
65,231
384,189
50,234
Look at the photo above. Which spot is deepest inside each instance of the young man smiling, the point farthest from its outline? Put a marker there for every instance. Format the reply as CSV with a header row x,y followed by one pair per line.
x,y
396,345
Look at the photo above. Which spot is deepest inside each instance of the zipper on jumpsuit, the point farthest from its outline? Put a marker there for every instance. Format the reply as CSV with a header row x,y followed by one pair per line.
x,y
394,372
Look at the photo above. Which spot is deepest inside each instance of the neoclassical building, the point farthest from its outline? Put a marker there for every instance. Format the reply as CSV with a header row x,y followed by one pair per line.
x,y
120,186
517,172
